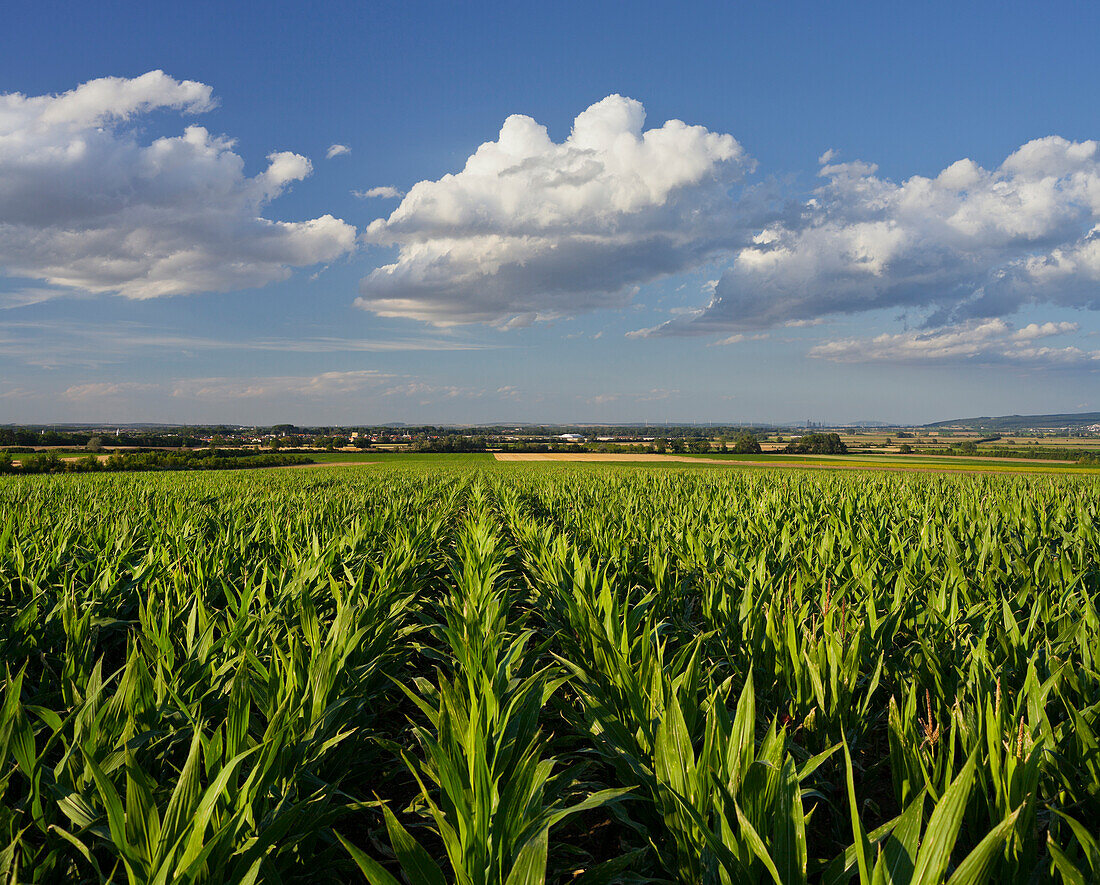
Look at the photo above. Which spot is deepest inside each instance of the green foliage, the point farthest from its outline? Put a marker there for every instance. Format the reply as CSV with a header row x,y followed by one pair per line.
x,y
557,674
746,444
817,444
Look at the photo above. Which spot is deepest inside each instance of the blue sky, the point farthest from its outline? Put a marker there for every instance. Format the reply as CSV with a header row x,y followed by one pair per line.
x,y
869,212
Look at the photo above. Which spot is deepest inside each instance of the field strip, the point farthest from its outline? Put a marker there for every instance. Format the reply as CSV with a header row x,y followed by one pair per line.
x,y
801,465
596,456
324,464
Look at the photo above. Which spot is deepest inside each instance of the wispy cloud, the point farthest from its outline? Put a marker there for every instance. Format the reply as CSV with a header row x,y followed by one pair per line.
x,y
323,384
989,341
739,338
104,389
336,150
52,343
655,394
25,297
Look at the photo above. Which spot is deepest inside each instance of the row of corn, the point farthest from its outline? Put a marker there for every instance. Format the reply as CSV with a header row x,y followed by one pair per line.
x,y
558,674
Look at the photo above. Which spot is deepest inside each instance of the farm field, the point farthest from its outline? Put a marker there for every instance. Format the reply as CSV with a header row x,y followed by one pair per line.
x,y
905,463
447,669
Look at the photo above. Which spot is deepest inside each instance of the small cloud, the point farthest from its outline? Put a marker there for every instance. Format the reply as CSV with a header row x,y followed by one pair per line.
x,y
100,389
382,192
336,150
739,337
16,393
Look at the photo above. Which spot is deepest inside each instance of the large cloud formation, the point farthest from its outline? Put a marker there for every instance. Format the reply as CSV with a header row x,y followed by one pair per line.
x,y
84,204
534,229
970,243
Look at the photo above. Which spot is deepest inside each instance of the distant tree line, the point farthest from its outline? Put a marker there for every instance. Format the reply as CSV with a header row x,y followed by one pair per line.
x,y
450,444
1043,453
207,459
26,437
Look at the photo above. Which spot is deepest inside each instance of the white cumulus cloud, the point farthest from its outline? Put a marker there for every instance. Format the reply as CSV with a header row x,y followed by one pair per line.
x,y
535,229
85,203
970,243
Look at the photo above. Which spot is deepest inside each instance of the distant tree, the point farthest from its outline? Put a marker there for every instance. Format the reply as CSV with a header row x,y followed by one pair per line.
x,y
660,446
46,462
699,446
905,449
677,445
817,444
95,444
746,444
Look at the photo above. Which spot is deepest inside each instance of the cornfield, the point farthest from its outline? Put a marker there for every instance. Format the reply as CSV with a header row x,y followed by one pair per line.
x,y
549,674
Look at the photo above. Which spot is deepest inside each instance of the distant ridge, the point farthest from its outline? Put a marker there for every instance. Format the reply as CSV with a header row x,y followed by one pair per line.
x,y
1023,422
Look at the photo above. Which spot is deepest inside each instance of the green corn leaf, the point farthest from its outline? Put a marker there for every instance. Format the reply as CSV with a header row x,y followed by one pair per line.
x,y
370,868
414,860
1071,874
1088,840
529,867
862,844
975,869
757,845
897,859
943,828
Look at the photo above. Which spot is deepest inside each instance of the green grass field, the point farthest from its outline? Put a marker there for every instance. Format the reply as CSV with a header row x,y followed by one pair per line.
x,y
451,669
945,463
913,462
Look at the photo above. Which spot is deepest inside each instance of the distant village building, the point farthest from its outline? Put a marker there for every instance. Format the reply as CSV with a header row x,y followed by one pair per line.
x,y
571,437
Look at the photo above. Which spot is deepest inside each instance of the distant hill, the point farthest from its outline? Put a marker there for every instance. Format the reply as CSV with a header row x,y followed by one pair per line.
x,y
1022,422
